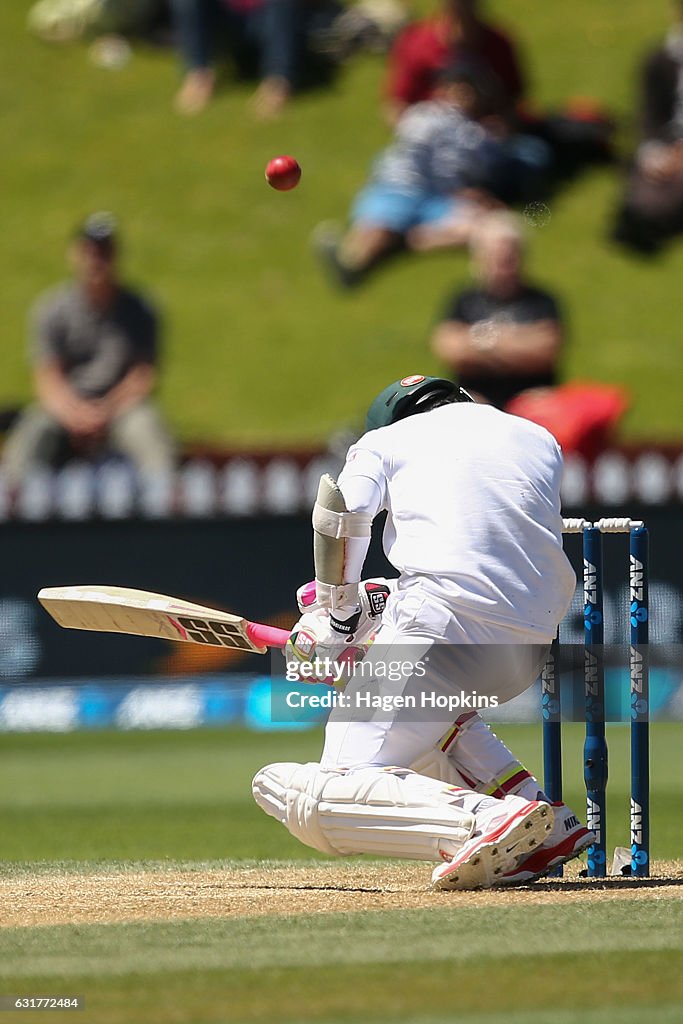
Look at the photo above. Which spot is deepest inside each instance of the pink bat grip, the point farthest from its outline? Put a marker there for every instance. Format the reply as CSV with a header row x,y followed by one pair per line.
x,y
267,636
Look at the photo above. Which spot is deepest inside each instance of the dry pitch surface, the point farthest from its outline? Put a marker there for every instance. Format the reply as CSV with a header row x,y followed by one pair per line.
x,y
100,897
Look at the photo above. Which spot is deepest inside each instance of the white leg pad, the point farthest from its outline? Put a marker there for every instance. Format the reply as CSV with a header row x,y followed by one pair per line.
x,y
291,793
387,812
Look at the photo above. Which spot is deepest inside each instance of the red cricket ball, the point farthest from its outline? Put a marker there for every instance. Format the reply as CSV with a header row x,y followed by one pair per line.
x,y
283,173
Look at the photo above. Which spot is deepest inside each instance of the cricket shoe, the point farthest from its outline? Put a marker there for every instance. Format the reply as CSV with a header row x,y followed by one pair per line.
x,y
567,840
507,831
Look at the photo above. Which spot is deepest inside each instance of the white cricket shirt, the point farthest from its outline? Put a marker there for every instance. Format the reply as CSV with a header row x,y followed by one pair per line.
x,y
473,502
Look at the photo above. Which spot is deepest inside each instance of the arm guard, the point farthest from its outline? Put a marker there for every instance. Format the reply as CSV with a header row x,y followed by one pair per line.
x,y
335,531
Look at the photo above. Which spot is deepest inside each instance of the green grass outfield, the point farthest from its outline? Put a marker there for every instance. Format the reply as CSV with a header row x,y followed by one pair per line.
x,y
549,965
186,795
127,802
250,318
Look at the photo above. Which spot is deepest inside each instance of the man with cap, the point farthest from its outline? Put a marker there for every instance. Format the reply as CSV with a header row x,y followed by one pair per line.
x,y
474,528
94,347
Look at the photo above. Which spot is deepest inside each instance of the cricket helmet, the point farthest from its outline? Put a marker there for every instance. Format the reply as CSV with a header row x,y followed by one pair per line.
x,y
410,395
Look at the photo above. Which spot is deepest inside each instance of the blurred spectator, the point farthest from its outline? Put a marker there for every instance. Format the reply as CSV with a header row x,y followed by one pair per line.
x,y
63,21
94,347
652,208
361,25
433,181
263,36
552,145
457,31
504,335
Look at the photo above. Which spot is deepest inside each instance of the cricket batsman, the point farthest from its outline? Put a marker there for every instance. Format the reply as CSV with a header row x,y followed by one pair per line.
x,y
474,528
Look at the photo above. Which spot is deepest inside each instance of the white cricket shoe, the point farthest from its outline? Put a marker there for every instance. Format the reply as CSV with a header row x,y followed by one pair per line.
x,y
567,840
506,831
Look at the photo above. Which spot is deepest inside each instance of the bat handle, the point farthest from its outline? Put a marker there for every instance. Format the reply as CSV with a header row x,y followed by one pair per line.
x,y
267,636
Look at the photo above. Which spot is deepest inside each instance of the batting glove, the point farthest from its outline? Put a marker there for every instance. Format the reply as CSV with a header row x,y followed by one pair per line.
x,y
320,644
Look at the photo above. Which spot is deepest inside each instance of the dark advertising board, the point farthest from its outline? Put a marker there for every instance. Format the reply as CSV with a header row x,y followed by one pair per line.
x,y
249,566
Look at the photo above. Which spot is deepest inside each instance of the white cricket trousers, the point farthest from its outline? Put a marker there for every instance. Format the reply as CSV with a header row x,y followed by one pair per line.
x,y
410,661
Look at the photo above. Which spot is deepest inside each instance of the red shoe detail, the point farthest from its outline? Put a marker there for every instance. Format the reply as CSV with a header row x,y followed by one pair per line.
x,y
545,859
486,839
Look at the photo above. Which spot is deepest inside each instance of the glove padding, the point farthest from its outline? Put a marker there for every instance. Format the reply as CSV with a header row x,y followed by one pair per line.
x,y
321,634
372,597
320,645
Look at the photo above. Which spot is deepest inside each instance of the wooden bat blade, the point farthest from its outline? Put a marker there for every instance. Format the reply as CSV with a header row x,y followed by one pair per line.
x,y
141,613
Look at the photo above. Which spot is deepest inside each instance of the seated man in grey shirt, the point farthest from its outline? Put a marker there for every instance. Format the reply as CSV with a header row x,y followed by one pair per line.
x,y
94,348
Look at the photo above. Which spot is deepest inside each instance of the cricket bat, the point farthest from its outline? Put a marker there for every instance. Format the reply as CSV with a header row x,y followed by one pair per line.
x,y
123,610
